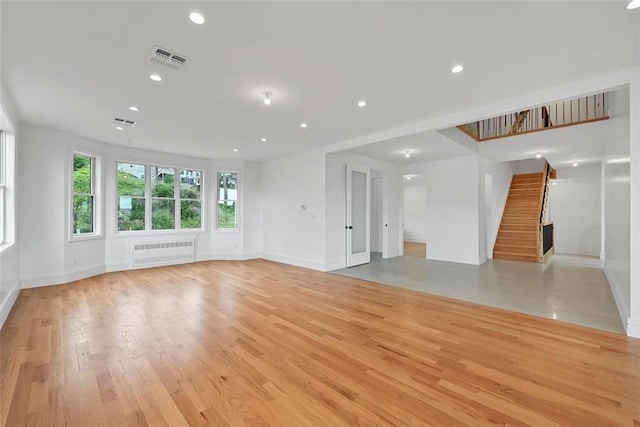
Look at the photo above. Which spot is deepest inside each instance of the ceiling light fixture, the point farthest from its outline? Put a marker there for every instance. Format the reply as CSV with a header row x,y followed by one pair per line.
x,y
134,108
267,98
119,128
362,104
407,154
575,164
538,155
235,150
263,139
456,69
408,177
196,18
553,183
634,4
155,77
303,125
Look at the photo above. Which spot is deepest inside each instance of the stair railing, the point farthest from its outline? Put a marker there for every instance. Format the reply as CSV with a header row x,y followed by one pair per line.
x,y
545,179
554,115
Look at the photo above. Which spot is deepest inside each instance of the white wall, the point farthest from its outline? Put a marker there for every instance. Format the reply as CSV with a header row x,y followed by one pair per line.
x,y
9,259
528,166
493,199
415,210
377,222
336,206
574,208
453,208
291,233
617,256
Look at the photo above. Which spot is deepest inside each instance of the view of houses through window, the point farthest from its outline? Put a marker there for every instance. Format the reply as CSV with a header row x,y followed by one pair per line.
x,y
173,203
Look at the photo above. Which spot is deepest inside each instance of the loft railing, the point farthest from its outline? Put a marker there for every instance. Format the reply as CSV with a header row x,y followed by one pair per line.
x,y
559,114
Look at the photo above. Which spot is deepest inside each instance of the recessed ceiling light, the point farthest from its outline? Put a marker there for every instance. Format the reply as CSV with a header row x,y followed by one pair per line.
x,y
263,139
134,108
362,104
633,4
235,150
155,77
553,183
457,68
407,154
303,125
575,164
196,18
267,98
538,155
119,128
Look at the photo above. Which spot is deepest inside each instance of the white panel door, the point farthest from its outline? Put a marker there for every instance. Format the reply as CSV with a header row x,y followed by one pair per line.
x,y
358,215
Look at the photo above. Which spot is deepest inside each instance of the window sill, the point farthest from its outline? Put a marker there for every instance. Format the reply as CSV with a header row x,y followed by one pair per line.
x,y
144,233
82,238
6,247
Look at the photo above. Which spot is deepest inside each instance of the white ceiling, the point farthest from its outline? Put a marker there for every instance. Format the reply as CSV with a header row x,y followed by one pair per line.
x,y
423,147
76,65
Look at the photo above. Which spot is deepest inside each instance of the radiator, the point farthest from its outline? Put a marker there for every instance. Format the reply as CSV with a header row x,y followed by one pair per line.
x,y
163,252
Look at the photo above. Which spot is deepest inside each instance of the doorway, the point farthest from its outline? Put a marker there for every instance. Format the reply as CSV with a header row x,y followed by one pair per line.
x,y
415,215
377,222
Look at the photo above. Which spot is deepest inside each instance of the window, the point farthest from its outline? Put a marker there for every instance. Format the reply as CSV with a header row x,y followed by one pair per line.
x,y
163,198
227,200
83,205
168,199
190,199
131,197
2,186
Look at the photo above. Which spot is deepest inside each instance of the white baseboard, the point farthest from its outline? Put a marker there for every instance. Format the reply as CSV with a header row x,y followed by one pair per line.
x,y
9,300
58,279
633,327
622,309
228,256
335,265
298,262
118,266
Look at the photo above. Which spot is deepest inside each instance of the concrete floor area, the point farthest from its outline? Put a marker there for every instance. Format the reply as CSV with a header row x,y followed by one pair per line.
x,y
569,288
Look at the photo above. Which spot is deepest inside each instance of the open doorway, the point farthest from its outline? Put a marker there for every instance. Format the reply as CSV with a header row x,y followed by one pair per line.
x,y
377,222
415,215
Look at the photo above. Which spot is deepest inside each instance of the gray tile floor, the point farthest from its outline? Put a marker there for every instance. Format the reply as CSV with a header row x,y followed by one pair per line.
x,y
569,288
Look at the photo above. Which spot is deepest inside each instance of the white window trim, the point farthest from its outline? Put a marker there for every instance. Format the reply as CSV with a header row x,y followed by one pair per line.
x,y
96,167
148,231
236,229
3,214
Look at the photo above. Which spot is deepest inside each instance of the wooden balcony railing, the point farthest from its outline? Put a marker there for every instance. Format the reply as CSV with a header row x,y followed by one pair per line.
x,y
555,115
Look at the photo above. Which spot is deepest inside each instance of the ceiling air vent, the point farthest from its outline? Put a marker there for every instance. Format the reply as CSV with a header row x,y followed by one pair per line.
x,y
123,122
166,57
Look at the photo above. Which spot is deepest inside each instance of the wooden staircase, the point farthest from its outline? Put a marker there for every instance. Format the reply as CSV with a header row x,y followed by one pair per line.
x,y
518,235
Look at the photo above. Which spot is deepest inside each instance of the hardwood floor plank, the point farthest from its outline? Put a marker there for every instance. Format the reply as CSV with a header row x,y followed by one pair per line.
x,y
261,343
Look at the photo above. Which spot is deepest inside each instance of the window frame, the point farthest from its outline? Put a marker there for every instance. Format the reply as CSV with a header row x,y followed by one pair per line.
x,y
3,168
148,198
235,229
94,193
152,198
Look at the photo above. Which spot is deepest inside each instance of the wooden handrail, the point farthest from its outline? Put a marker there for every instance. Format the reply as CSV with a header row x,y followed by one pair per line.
x,y
545,178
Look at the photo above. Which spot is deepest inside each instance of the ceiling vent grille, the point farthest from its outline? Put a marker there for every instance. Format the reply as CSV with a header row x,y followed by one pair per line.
x,y
124,122
166,57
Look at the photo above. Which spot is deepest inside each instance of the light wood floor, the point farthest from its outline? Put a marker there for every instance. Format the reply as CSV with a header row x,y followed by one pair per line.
x,y
260,343
415,249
